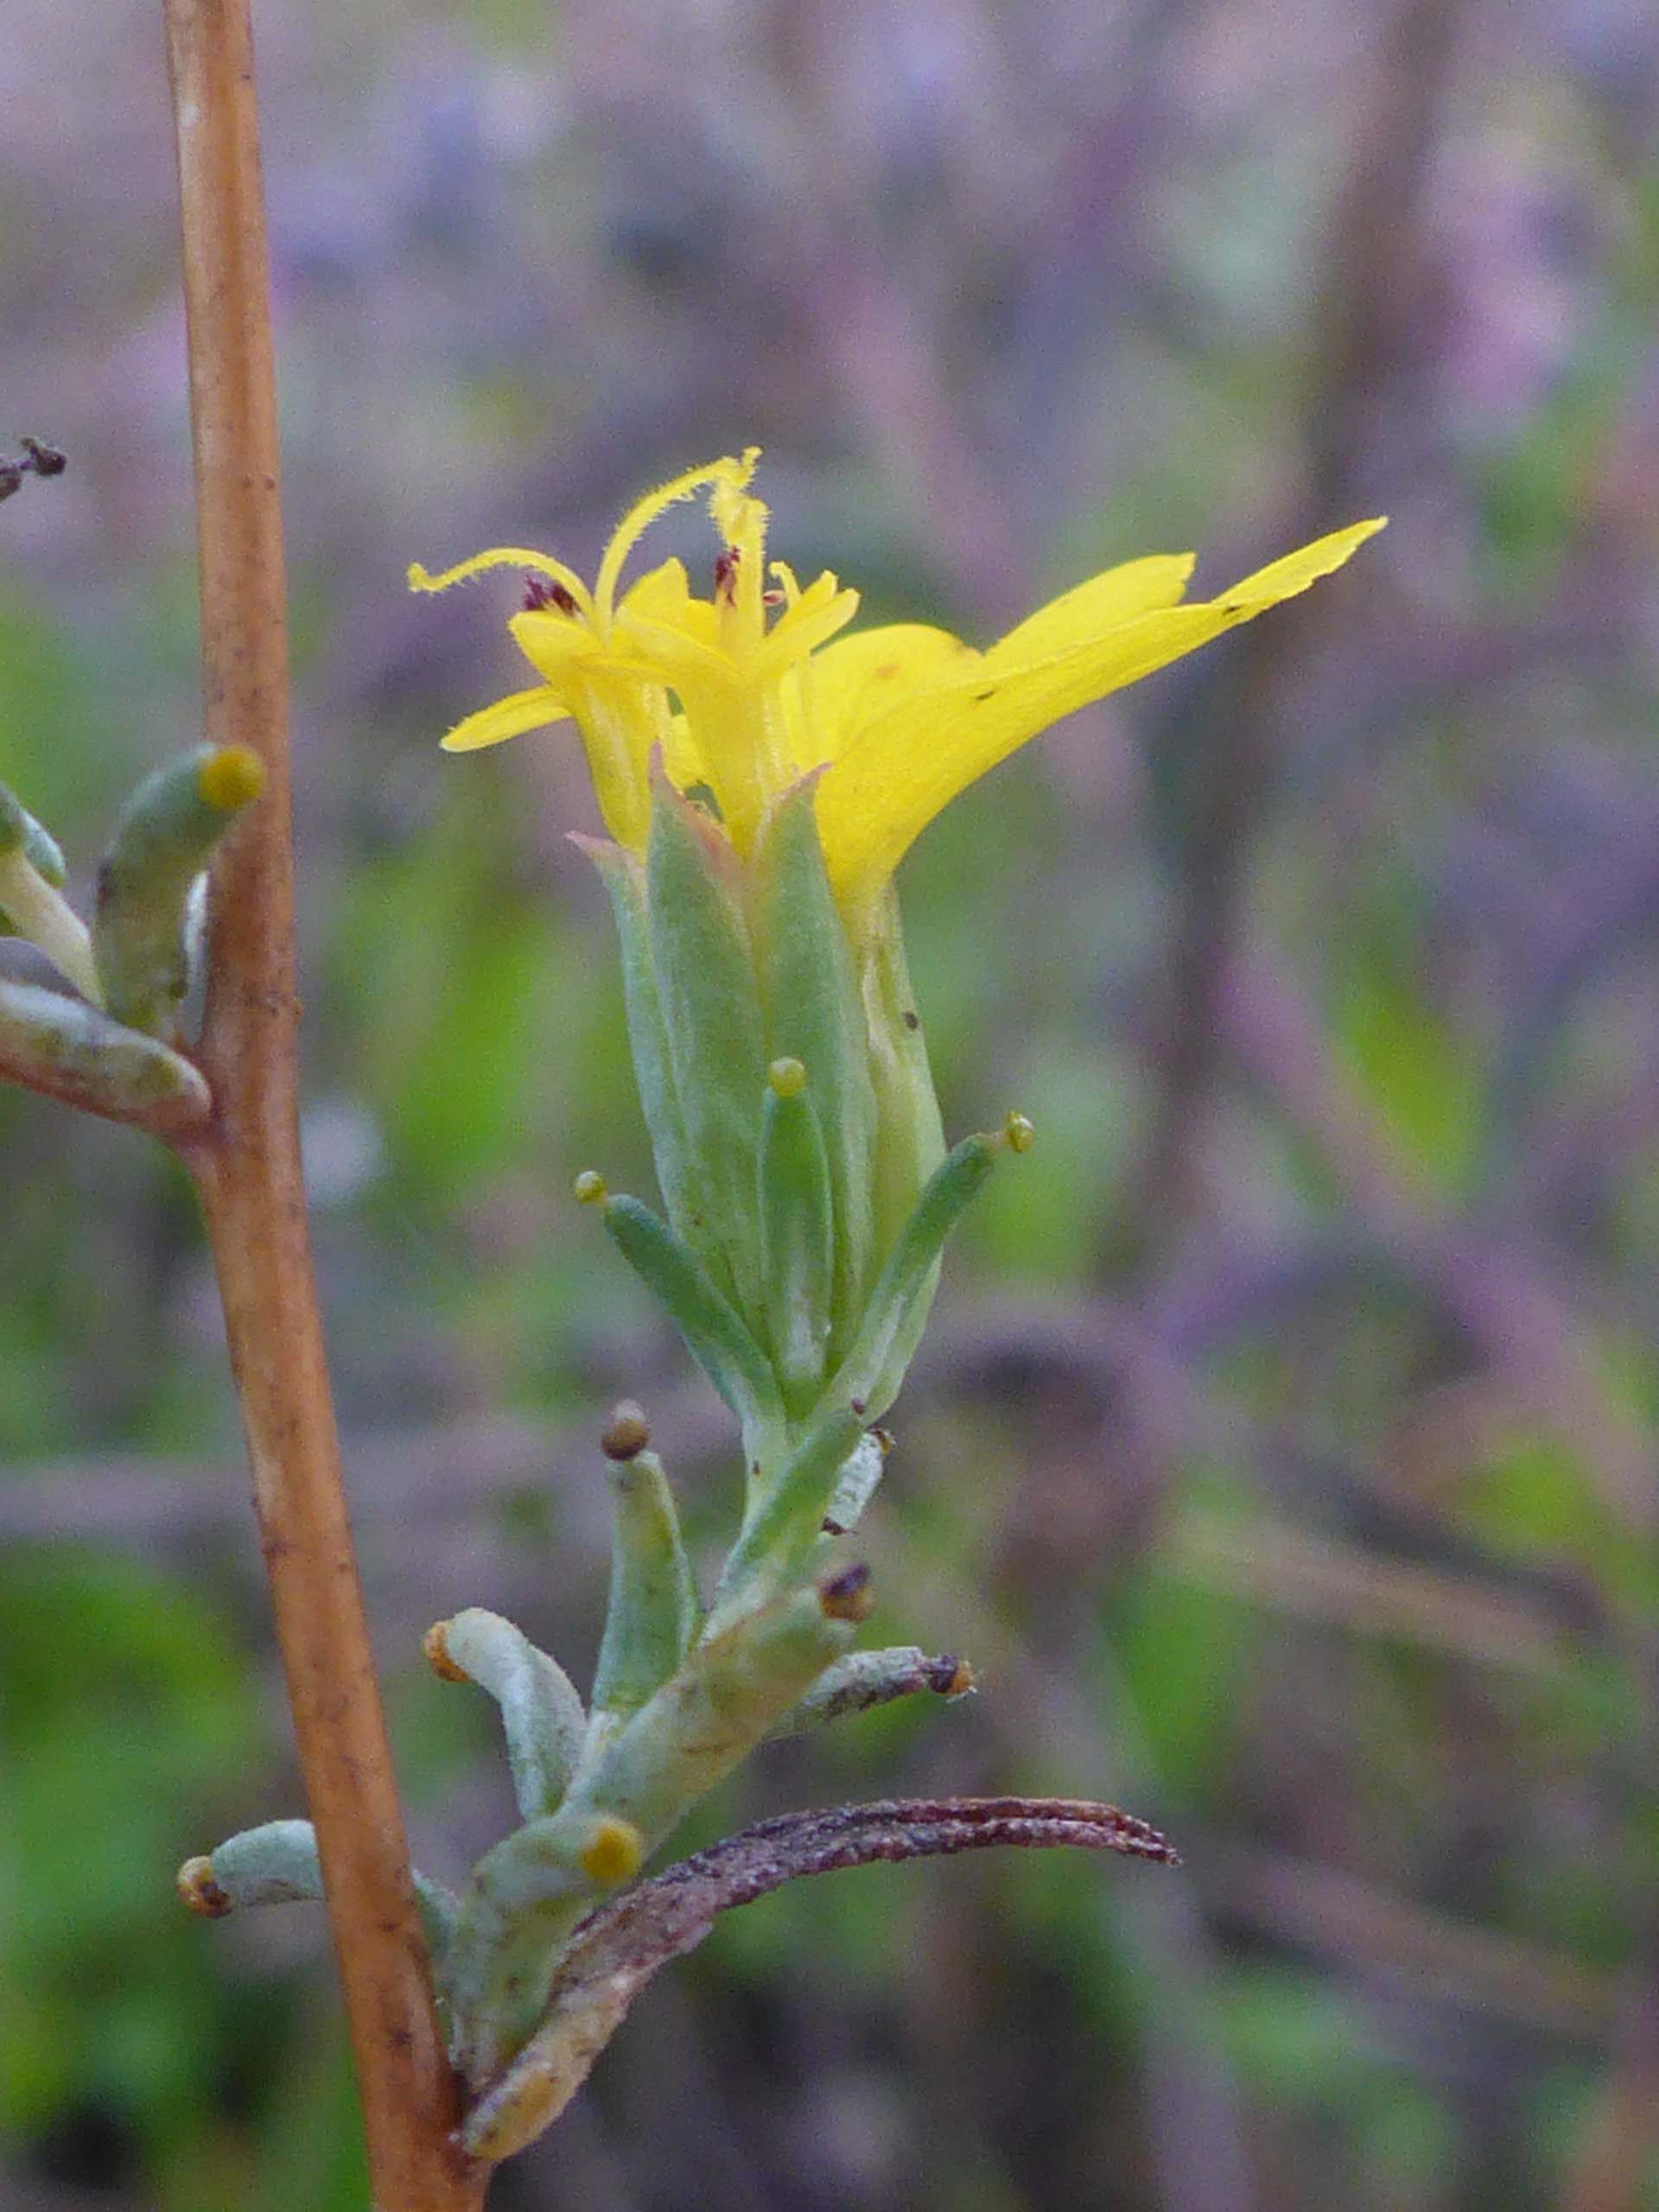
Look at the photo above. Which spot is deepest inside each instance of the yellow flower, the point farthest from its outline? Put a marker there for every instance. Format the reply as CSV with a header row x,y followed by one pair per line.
x,y
751,689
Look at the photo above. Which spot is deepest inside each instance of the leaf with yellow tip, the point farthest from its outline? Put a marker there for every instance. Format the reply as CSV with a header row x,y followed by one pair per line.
x,y
612,1852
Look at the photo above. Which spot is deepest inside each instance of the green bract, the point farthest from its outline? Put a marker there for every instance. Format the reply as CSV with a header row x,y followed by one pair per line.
x,y
791,1114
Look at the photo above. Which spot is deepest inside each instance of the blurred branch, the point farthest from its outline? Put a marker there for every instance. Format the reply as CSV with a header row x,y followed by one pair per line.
x,y
1320,1909
877,328
1274,1563
247,1169
448,1470
1197,2123
1133,1374
1610,2166
1520,1321
1373,270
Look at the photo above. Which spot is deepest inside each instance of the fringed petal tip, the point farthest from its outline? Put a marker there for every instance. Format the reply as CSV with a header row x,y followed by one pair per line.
x,y
729,473
1284,578
421,578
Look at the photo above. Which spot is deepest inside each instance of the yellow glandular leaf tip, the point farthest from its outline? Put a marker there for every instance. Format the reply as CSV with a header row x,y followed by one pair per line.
x,y
1018,1133
590,1188
787,1076
231,778
613,1852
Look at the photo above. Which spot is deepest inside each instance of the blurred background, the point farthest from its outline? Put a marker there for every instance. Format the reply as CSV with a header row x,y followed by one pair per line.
x,y
1283,1454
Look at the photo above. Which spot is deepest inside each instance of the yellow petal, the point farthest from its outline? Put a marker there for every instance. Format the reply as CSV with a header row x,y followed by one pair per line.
x,y
685,764
510,717
664,594
855,679
621,720
907,763
1283,579
1082,615
659,612
552,643
822,609
671,652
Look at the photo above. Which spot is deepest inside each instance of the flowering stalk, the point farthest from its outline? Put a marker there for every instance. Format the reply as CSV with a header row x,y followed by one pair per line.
x,y
106,1036
246,1163
760,775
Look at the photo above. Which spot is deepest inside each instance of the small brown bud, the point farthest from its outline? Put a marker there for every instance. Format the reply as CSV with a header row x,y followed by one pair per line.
x,y
949,1676
198,1889
627,1434
436,1644
848,1596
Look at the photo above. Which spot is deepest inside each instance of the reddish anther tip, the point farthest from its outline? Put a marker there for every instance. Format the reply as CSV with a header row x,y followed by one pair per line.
x,y
543,591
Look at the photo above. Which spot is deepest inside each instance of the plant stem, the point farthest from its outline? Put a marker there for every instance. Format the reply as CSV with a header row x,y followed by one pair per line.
x,y
247,1169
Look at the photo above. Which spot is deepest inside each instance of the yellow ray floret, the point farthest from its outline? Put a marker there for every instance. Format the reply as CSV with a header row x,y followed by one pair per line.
x,y
905,761
751,688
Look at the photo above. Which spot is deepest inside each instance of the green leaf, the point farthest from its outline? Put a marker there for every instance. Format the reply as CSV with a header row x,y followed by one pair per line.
x,y
717,1042
652,1611
813,1012
797,1235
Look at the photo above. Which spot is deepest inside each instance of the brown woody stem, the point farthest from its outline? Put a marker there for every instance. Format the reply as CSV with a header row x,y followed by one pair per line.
x,y
247,1167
